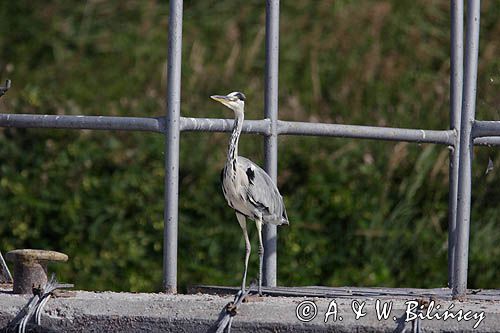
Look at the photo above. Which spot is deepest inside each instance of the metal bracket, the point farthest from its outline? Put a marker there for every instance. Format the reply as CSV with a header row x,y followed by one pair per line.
x,y
4,89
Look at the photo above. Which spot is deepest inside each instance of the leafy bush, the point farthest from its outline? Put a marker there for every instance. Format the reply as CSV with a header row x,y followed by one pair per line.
x,y
362,212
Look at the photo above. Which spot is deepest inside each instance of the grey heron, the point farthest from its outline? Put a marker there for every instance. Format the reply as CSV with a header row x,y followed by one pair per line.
x,y
247,188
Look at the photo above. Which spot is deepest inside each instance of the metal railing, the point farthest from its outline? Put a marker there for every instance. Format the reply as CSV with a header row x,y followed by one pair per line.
x,y
464,132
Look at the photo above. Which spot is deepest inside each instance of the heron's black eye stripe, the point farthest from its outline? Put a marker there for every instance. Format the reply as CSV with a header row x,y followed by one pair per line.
x,y
241,96
250,175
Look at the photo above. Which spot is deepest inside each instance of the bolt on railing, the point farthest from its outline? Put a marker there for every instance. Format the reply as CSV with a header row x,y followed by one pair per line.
x,y
463,134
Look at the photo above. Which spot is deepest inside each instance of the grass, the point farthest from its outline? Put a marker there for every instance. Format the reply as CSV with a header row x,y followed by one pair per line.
x,y
362,212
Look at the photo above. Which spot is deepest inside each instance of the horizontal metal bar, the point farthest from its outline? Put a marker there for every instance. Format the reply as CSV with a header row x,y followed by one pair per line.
x,y
485,128
486,133
446,137
82,122
263,126
487,141
224,125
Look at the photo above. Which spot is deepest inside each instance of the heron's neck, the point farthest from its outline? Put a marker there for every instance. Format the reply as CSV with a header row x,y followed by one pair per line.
x,y
232,151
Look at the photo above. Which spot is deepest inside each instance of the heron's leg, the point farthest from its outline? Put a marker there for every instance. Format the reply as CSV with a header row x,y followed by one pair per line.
x,y
243,223
258,223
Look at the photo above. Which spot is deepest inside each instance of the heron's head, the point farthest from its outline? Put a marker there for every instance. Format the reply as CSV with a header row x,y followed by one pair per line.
x,y
235,100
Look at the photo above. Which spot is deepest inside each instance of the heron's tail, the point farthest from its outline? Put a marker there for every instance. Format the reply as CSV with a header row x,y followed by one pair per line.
x,y
284,218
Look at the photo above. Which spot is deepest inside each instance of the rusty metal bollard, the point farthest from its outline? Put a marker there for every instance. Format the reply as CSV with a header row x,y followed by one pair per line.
x,y
30,268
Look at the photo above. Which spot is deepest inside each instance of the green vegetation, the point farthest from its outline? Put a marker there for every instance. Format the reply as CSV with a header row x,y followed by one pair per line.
x,y
362,212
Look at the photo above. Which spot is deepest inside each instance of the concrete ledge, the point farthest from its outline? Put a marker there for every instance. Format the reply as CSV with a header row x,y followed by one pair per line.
x,y
127,312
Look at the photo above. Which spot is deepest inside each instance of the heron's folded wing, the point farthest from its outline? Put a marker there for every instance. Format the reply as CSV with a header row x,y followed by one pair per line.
x,y
262,192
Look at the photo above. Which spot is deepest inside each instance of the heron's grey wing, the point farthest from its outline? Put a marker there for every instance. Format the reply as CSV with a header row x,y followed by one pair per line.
x,y
263,194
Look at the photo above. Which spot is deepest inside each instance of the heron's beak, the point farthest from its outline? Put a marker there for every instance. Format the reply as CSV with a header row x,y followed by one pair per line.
x,y
220,98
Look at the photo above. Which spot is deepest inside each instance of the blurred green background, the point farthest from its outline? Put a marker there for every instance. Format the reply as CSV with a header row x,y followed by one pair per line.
x,y
362,213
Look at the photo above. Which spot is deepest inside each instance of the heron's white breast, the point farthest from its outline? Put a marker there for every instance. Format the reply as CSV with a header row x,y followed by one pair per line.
x,y
235,185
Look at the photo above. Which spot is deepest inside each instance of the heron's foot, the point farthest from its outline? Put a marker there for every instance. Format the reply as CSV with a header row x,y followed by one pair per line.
x,y
259,286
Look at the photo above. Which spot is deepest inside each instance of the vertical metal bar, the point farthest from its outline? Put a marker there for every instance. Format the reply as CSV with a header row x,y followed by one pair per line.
x,y
466,150
456,86
271,141
172,147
